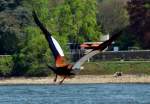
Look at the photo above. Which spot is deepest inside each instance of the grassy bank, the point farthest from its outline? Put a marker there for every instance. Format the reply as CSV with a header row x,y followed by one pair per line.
x,y
110,67
90,68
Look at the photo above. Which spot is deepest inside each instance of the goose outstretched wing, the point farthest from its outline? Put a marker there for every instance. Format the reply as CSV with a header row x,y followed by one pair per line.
x,y
53,44
96,50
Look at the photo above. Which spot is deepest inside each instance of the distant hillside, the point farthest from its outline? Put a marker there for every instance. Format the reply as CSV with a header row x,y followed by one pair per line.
x,y
13,17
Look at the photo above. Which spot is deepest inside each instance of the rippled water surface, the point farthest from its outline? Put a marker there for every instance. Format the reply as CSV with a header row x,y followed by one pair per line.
x,y
76,94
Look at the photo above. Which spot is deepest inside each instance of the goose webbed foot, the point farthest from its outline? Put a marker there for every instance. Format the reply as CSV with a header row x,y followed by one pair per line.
x,y
62,80
55,79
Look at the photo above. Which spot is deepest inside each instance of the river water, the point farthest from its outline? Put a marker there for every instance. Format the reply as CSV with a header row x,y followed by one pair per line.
x,y
75,94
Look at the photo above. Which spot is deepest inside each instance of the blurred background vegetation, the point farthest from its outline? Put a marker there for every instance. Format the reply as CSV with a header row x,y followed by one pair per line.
x,y
71,21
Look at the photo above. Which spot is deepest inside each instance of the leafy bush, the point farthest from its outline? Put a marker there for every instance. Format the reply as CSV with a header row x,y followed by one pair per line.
x,y
38,71
6,65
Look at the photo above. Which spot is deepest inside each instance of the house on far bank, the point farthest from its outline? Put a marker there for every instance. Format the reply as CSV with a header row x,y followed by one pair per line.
x,y
87,46
77,50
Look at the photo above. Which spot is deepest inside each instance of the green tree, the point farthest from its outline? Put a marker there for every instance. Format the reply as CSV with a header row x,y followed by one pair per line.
x,y
84,24
67,21
112,15
32,57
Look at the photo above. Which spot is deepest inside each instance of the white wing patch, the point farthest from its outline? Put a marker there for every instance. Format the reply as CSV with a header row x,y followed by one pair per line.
x,y
59,49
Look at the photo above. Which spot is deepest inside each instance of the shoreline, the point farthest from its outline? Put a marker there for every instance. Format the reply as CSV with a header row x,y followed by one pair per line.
x,y
79,79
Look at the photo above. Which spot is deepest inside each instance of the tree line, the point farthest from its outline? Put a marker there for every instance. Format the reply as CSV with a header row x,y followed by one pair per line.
x,y
73,21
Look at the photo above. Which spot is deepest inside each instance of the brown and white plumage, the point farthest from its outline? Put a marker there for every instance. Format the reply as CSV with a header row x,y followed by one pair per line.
x,y
61,67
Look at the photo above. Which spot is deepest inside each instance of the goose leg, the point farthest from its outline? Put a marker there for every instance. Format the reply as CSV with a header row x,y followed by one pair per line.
x,y
55,79
62,80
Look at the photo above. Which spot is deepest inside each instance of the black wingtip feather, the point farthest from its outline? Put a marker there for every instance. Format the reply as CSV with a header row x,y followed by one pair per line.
x,y
105,44
39,24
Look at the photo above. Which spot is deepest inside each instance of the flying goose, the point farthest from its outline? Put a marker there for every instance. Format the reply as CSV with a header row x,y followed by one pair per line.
x,y
62,68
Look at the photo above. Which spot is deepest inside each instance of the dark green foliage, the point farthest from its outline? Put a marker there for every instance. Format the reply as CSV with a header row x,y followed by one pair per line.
x,y
18,36
33,57
127,40
6,64
13,18
38,71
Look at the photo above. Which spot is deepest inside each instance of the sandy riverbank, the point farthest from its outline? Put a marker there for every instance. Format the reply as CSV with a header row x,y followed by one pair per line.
x,y
81,79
